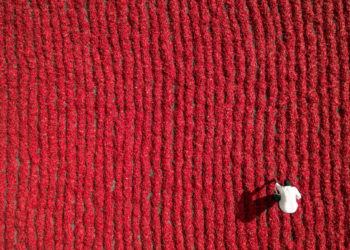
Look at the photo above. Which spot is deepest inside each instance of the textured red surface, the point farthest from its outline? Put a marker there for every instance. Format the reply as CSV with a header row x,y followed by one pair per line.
x,y
149,123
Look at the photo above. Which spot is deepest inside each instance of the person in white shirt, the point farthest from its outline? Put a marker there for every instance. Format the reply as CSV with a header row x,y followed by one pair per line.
x,y
287,197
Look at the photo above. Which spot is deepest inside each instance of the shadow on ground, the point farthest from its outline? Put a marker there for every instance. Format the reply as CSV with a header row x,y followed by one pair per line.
x,y
250,207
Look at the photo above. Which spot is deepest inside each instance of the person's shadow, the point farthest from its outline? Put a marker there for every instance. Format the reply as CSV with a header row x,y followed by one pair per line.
x,y
249,208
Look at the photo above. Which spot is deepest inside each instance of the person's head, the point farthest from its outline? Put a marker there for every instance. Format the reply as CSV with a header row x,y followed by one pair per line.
x,y
287,183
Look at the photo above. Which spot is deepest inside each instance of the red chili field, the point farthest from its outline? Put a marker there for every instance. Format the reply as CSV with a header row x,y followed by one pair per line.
x,y
162,124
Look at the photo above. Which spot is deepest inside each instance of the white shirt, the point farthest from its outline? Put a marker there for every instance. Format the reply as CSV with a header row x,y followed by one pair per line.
x,y
288,202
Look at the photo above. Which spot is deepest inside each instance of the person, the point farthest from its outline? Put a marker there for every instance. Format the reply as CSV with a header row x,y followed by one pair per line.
x,y
287,197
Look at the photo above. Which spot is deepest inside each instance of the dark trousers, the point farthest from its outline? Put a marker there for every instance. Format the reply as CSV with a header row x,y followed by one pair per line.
x,y
276,197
